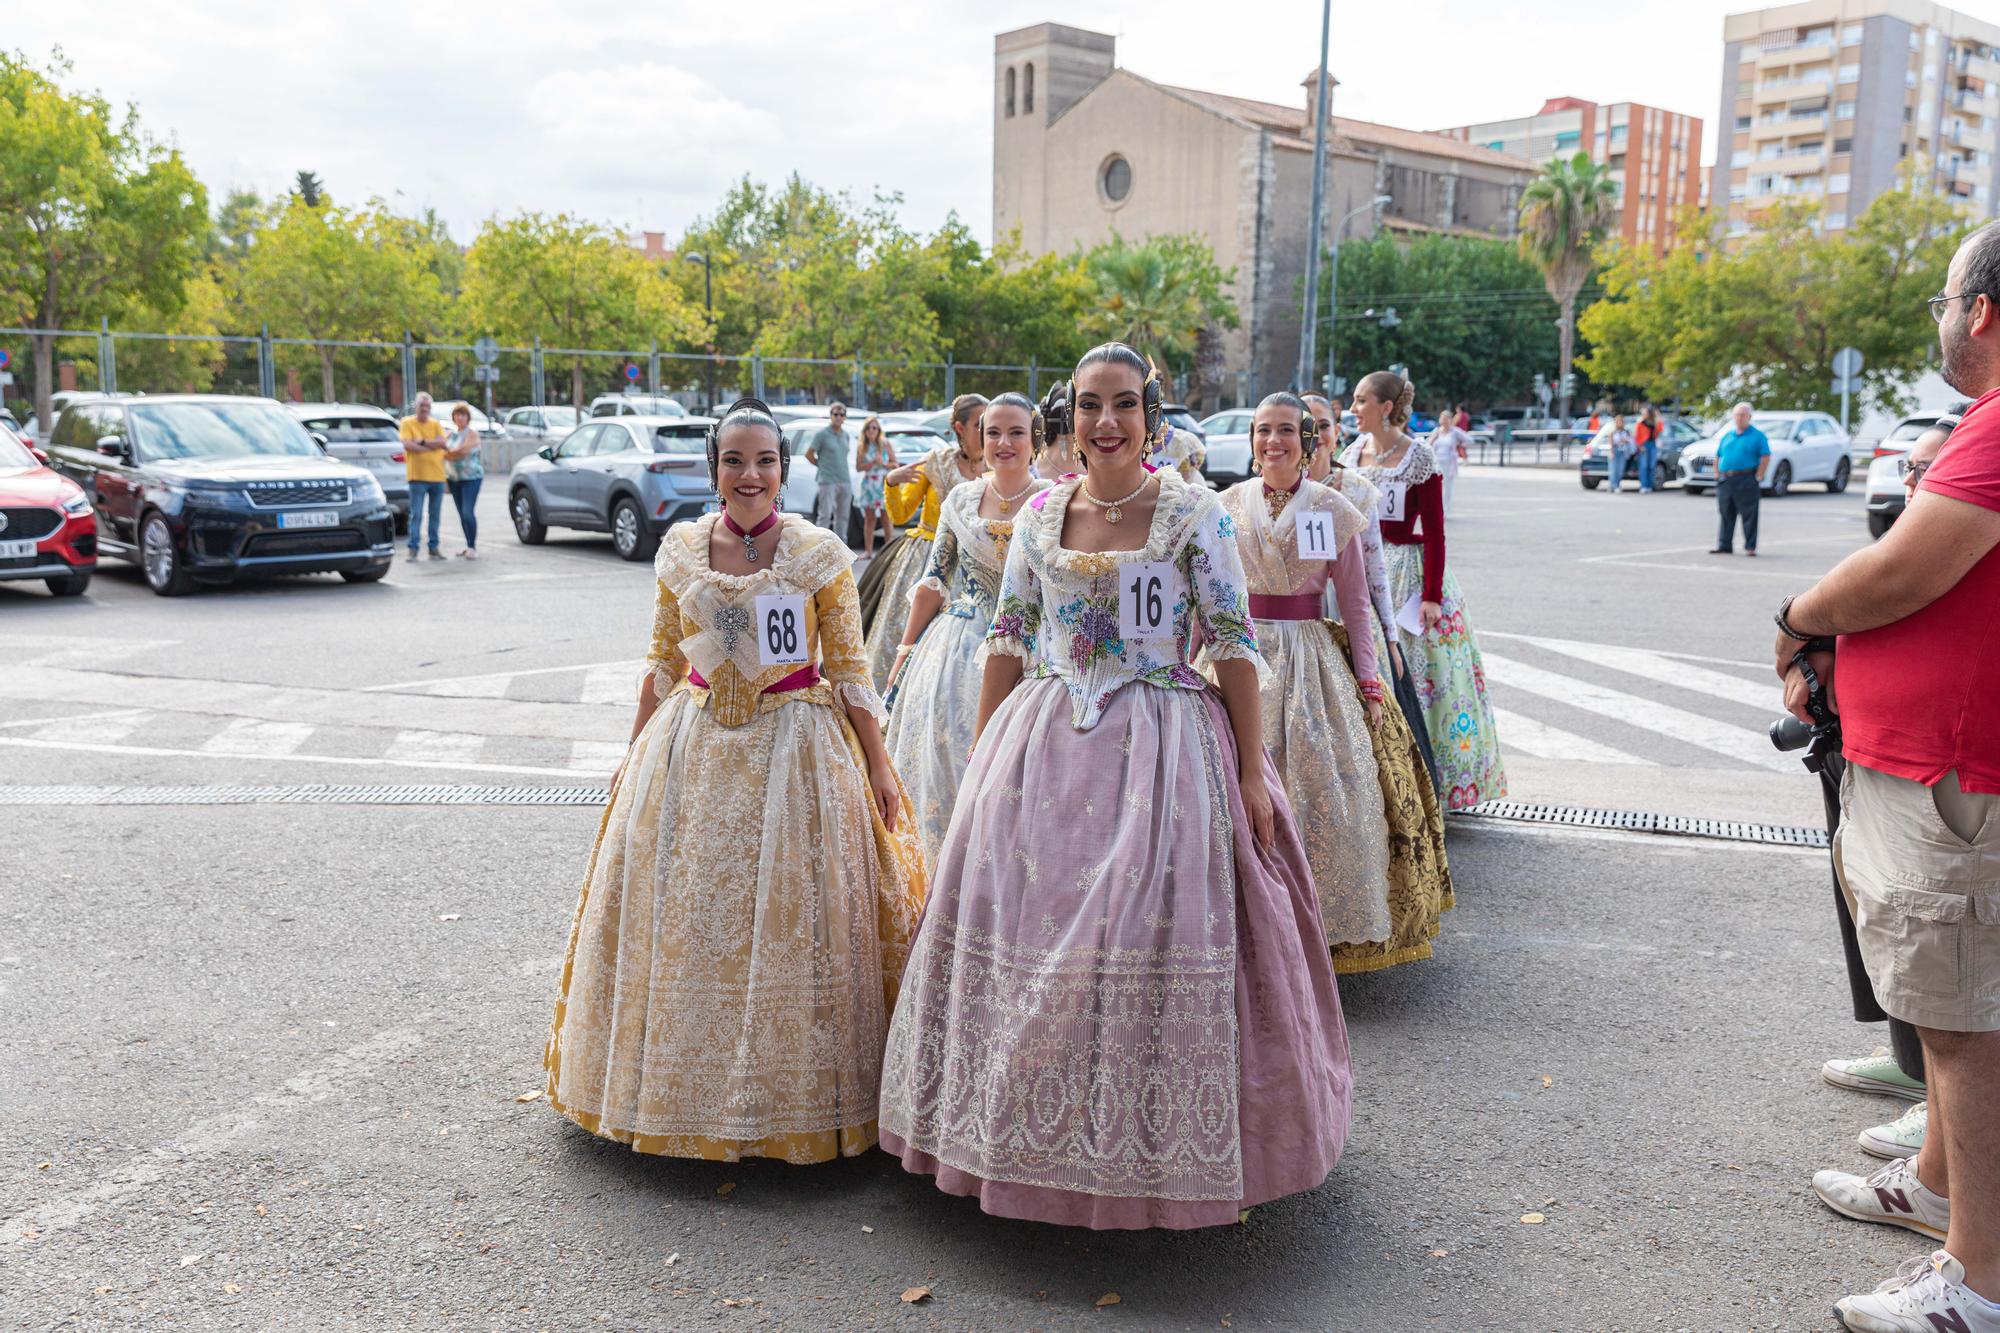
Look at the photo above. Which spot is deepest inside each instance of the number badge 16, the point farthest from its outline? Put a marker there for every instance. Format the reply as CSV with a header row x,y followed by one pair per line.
x,y
781,629
1145,600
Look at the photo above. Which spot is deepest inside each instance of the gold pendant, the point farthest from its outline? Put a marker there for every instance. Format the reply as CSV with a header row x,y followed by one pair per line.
x,y
1006,507
1112,513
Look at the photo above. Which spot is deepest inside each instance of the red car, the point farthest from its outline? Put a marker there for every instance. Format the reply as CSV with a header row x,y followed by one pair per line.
x,y
47,528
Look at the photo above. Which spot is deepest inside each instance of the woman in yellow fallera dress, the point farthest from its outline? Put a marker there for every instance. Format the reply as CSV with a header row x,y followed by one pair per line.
x,y
756,882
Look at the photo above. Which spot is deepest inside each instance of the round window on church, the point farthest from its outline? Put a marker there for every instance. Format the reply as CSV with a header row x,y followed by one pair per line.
x,y
1114,180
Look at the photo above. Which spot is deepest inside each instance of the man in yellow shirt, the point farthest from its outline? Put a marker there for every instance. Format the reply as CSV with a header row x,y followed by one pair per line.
x,y
423,462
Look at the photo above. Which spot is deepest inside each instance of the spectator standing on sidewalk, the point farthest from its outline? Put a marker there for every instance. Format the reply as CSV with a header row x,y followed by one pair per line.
x,y
1646,436
831,452
874,460
423,463
1741,456
463,473
1448,443
1618,444
1914,674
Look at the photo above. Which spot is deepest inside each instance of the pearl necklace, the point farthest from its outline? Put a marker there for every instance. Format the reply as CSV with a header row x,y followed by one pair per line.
x,y
1007,502
1114,510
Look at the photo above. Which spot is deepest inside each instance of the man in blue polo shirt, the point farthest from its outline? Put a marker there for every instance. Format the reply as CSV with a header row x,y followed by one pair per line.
x,y
1741,456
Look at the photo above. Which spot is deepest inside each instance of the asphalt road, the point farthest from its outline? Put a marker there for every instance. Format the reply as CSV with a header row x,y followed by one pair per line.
x,y
263,1060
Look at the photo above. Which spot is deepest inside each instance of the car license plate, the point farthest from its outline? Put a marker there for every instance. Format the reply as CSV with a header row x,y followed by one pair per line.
x,y
310,518
14,550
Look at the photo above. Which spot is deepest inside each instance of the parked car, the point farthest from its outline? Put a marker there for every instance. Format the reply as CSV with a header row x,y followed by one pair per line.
x,y
1675,436
47,529
548,422
635,405
1883,488
1227,438
801,492
442,408
209,487
366,437
1805,446
633,477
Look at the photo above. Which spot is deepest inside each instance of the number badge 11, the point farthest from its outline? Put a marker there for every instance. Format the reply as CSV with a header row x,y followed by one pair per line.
x,y
781,629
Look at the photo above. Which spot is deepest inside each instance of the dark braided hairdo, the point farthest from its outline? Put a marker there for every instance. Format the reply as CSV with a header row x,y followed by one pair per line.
x,y
1308,426
1037,427
748,412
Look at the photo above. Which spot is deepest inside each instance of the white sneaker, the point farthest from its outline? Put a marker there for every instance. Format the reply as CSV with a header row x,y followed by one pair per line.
x,y
1901,1137
1926,1295
1893,1195
1877,1072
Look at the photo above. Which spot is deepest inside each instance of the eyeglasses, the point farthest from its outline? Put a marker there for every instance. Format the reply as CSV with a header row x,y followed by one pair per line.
x,y
1913,473
1940,301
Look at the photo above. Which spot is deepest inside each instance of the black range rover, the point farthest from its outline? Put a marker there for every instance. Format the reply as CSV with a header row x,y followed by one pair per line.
x,y
209,487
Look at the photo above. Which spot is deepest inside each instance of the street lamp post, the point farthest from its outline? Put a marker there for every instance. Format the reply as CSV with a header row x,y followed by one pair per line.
x,y
1322,114
708,309
1333,282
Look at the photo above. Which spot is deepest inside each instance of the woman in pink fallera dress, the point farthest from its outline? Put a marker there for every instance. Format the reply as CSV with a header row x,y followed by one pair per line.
x,y
1120,1011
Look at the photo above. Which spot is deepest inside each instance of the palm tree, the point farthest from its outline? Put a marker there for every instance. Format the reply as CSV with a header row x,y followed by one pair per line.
x,y
1159,295
1565,212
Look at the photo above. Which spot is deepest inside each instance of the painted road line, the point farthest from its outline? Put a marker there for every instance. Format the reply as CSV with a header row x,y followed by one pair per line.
x,y
1678,656
337,760
614,684
1739,743
76,650
595,756
1766,697
1523,733
255,738
483,686
64,724
427,747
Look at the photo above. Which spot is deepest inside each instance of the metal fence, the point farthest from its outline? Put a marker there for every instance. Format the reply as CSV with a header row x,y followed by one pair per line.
x,y
533,375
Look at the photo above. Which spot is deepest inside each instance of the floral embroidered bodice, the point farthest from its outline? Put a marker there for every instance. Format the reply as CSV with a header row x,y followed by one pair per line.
x,y
970,556
1270,547
705,622
1059,608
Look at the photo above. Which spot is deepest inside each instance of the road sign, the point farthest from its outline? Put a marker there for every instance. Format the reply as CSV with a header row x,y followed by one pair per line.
x,y
486,374
6,358
632,372
1542,394
6,378
486,351
1338,388
1847,363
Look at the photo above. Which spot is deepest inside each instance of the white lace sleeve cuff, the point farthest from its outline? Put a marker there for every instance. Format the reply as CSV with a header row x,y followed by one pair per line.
x,y
934,583
856,694
1240,652
663,682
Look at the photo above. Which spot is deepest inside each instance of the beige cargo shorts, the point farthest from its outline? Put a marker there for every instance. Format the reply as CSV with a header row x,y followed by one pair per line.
x,y
1921,870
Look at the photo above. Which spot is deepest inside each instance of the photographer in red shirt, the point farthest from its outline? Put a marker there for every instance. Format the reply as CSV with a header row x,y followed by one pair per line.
x,y
1917,662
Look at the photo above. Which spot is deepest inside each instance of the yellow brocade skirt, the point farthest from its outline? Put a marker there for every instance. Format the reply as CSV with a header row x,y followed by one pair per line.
x,y
738,943
1419,876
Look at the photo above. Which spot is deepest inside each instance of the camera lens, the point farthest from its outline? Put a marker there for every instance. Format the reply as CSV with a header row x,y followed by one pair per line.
x,y
1788,733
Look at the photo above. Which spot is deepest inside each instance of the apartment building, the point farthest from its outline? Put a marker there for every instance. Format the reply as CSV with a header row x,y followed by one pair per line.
x,y
1826,100
1654,155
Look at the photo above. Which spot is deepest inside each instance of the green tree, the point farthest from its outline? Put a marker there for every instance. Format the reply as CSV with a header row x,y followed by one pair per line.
x,y
1159,295
92,215
1000,307
1761,321
309,189
1565,212
574,284
331,275
1473,322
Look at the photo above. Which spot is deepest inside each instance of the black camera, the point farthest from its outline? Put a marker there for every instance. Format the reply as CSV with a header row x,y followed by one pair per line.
x,y
1819,738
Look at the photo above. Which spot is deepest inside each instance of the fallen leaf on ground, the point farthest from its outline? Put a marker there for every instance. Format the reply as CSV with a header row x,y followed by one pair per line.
x,y
357,1227
534,1094
1109,1298
29,1233
725,1189
101,1291
911,1295
1533,1219
231,1288
449,916
1731,1166
43,1166
1439,1254
1242,1216
1548,1082
262,1211
869,1230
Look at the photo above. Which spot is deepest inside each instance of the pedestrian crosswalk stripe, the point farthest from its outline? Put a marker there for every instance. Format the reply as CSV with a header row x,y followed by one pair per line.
x,y
1765,697
256,738
595,756
341,760
614,684
106,727
1739,743
1538,739
493,684
432,746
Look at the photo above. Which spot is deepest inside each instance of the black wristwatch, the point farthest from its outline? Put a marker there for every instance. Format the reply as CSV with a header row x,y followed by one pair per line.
x,y
1784,625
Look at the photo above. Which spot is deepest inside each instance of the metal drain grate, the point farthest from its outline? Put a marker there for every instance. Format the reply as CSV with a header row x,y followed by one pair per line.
x,y
1638,821
433,794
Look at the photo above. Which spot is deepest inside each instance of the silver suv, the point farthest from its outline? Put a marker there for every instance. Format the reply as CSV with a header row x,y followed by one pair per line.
x,y
367,437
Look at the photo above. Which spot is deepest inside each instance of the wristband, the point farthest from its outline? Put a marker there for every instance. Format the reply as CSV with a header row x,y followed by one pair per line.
x,y
1784,625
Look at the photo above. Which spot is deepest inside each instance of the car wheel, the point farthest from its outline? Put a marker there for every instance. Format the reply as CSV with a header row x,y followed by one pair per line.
x,y
628,532
1878,524
1781,480
1693,490
166,571
69,585
364,575
1590,483
528,525
1840,476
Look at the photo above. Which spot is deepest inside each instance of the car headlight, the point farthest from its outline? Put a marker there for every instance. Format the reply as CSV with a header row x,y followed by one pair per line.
x,y
77,504
367,490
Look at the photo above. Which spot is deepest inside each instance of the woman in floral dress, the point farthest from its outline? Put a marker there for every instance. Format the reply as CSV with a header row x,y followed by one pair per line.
x,y
1442,652
873,461
755,884
934,685
1119,1011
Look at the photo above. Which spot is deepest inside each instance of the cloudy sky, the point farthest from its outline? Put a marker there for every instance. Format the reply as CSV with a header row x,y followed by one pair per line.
x,y
640,115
